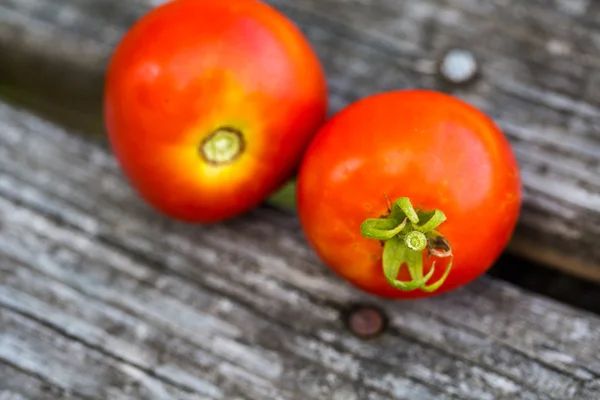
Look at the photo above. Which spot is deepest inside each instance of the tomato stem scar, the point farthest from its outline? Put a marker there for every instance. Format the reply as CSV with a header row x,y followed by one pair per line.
x,y
406,233
223,146
416,240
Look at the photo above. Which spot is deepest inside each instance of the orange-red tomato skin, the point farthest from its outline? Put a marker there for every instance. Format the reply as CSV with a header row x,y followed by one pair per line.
x,y
437,150
190,67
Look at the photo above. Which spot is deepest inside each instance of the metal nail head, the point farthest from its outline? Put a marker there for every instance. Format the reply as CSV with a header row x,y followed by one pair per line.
x,y
458,66
366,321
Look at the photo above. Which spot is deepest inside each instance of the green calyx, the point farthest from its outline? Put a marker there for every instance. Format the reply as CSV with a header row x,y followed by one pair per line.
x,y
406,233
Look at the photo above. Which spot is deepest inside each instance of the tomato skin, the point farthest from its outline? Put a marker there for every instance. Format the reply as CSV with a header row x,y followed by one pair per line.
x,y
433,148
190,67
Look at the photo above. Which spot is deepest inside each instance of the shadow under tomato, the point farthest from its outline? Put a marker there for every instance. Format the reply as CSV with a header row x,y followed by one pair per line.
x,y
547,282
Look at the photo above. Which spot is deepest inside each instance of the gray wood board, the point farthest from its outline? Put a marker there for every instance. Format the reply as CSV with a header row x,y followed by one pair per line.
x,y
102,298
540,81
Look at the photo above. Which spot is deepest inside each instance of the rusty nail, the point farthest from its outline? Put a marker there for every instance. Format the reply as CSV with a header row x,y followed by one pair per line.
x,y
458,66
366,322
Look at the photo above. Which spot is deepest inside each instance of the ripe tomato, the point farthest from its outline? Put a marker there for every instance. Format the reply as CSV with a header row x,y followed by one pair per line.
x,y
379,160
209,105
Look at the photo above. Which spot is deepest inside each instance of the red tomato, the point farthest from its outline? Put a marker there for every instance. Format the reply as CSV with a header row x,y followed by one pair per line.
x,y
209,105
438,152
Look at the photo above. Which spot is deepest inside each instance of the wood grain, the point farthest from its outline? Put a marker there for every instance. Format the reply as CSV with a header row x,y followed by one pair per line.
x,y
100,297
540,81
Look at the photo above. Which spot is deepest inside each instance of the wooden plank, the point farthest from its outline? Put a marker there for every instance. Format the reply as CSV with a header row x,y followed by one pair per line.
x,y
539,80
100,295
18,385
73,367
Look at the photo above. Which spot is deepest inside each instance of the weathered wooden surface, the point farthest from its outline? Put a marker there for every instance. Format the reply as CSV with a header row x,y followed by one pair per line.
x,y
101,298
540,80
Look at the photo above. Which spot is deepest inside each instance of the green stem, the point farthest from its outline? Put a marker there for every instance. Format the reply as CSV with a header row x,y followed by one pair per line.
x,y
381,229
406,234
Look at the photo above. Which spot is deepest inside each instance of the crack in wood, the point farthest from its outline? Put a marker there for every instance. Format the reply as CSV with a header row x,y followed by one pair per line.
x,y
56,328
11,384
